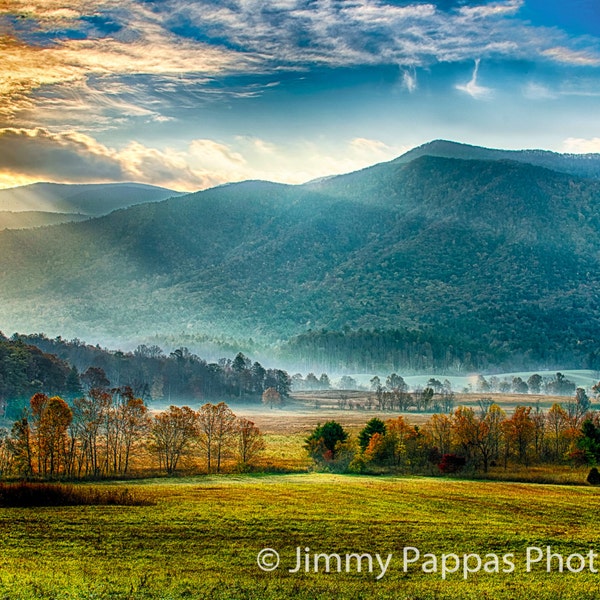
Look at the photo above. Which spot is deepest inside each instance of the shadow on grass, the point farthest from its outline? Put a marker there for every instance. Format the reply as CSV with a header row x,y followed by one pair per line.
x,y
24,494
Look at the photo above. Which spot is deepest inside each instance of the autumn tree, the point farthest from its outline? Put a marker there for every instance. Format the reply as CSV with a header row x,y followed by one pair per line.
x,y
89,415
129,422
250,442
399,438
438,431
520,431
224,431
19,444
50,419
6,456
478,434
172,434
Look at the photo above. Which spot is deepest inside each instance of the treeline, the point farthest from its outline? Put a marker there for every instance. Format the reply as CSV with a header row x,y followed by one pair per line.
x,y
25,369
149,372
557,385
110,432
468,438
468,346
368,351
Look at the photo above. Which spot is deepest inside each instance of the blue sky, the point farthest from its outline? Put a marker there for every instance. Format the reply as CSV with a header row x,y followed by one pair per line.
x,y
191,94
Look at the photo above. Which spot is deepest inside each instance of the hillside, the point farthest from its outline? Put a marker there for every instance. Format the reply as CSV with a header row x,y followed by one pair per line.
x,y
583,165
88,199
478,262
35,218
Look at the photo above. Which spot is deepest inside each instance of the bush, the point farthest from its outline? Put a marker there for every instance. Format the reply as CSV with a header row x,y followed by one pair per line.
x,y
451,463
593,477
26,494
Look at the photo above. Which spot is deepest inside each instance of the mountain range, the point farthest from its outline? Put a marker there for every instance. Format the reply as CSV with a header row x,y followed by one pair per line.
x,y
476,257
41,204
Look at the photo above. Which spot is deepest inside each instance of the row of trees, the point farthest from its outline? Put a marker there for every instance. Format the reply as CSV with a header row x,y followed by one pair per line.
x,y
477,437
107,432
558,385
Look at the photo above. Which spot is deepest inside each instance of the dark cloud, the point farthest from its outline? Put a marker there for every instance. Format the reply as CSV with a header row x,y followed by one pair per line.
x,y
69,156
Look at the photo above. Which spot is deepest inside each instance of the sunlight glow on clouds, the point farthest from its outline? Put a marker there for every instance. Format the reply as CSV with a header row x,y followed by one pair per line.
x,y
114,89
76,157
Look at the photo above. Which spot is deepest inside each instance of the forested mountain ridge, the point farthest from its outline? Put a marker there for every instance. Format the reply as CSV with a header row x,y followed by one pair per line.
x,y
583,165
497,259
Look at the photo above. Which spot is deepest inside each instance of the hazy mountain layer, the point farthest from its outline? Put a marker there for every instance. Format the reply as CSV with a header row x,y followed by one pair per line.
x,y
498,257
88,199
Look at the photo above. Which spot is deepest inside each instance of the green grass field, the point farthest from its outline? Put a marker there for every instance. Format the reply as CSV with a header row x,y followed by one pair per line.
x,y
201,536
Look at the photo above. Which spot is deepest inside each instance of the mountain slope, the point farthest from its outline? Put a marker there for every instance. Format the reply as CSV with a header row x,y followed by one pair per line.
x,y
89,199
583,165
497,256
35,218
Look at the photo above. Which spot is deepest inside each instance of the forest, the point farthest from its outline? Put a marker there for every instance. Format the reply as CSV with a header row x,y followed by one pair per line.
x,y
35,363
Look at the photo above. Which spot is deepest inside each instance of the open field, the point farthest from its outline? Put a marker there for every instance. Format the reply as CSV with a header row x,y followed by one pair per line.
x,y
201,537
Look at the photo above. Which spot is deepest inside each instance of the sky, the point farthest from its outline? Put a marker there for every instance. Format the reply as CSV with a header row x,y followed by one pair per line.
x,y
195,93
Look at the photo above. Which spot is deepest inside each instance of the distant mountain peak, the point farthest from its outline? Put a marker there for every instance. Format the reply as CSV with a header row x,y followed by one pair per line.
x,y
581,165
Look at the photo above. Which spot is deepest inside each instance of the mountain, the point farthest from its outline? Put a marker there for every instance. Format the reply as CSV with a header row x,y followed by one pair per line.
x,y
87,199
34,218
467,263
583,165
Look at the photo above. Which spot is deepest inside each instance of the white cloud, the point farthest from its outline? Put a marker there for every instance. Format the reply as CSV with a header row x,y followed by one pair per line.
x,y
472,88
581,145
492,10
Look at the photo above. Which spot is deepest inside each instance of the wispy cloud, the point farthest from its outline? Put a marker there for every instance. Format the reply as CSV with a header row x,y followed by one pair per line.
x,y
472,88
55,42
409,79
538,91
570,56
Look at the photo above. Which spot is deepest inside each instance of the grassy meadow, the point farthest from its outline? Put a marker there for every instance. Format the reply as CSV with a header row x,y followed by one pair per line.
x,y
199,538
